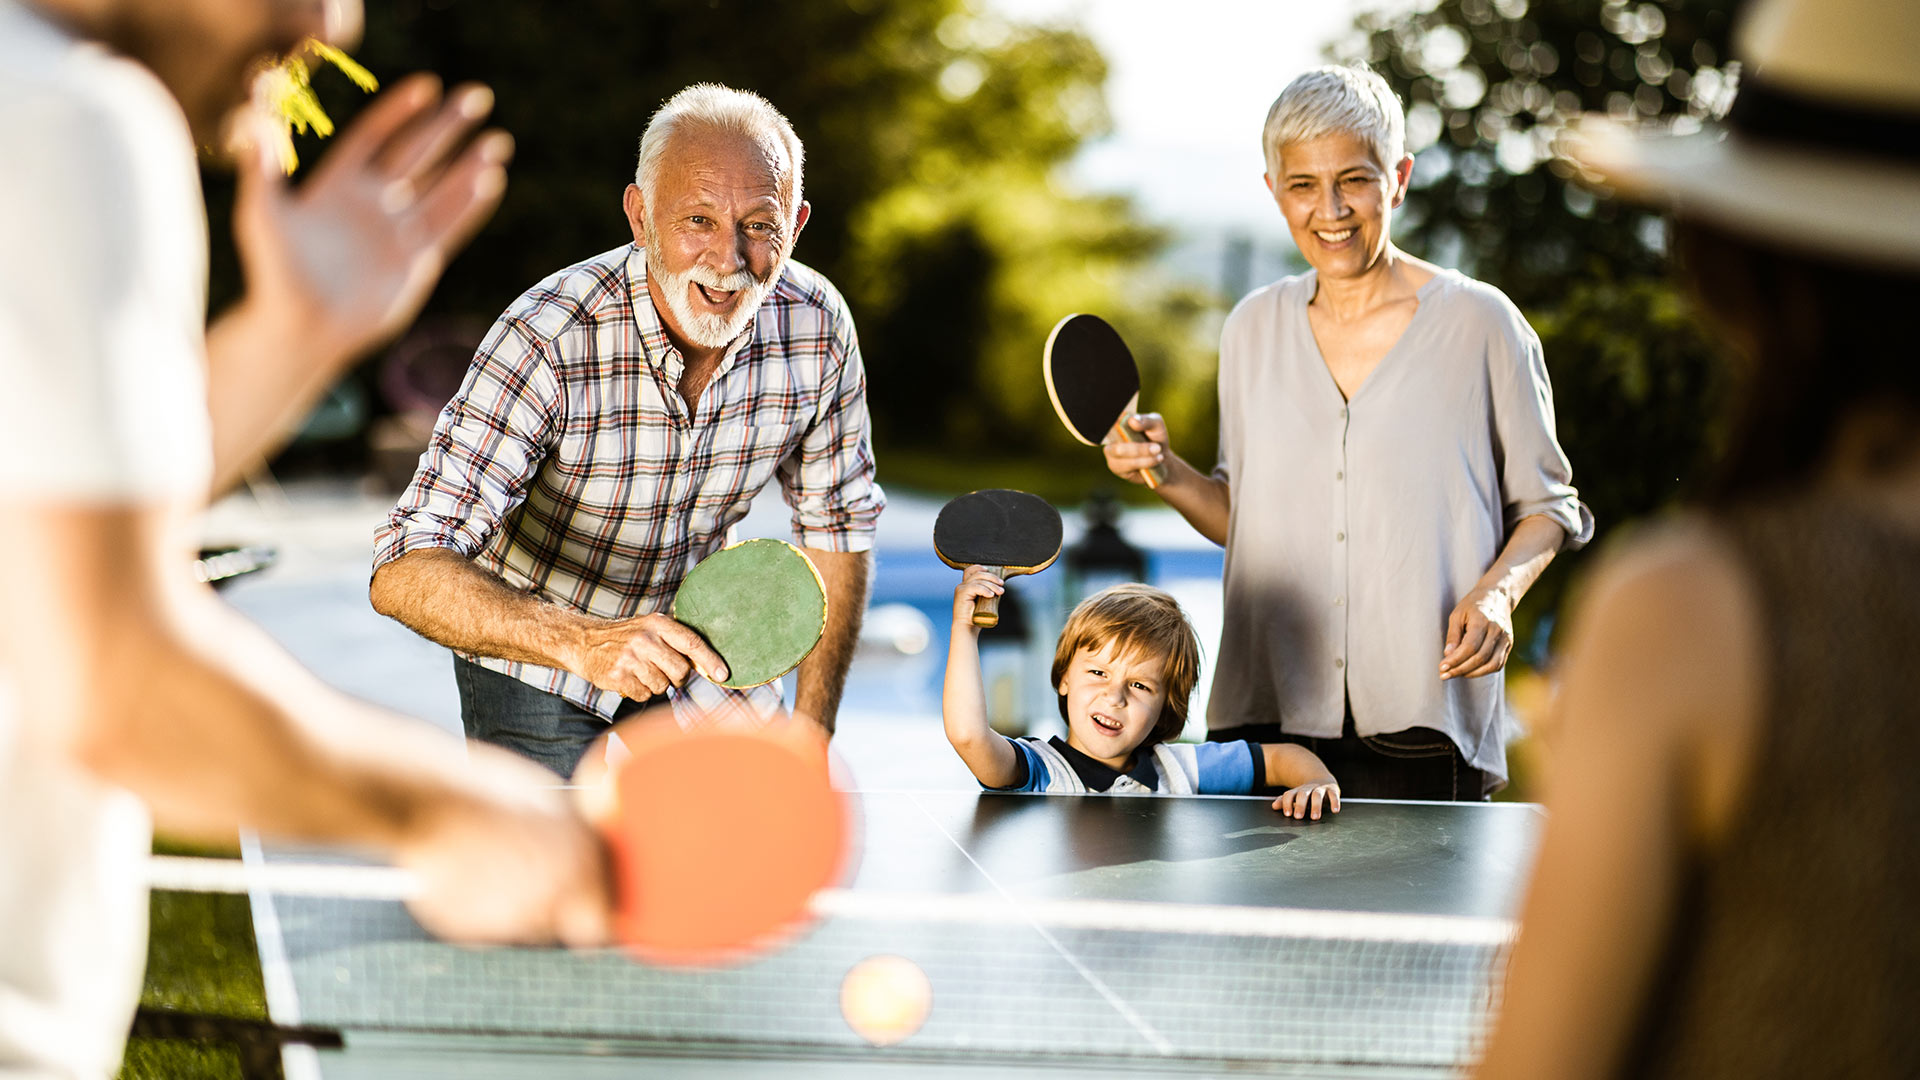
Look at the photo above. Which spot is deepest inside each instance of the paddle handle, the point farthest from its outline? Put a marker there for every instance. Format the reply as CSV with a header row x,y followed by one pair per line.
x,y
986,609
1154,476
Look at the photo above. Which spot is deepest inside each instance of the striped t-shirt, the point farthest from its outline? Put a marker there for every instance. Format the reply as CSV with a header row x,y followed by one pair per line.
x,y
1212,768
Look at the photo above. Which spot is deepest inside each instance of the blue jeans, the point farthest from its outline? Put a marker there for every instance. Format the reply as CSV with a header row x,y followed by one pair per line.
x,y
548,728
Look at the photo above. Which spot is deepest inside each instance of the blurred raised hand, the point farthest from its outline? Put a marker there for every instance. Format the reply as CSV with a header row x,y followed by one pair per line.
x,y
341,262
354,250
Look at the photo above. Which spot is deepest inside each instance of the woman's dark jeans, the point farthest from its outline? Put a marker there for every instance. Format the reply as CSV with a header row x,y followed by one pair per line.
x,y
1418,763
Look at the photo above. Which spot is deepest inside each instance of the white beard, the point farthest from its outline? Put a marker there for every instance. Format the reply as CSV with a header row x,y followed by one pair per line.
x,y
710,331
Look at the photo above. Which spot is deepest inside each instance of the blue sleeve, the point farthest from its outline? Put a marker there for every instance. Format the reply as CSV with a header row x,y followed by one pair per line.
x,y
1227,768
1033,774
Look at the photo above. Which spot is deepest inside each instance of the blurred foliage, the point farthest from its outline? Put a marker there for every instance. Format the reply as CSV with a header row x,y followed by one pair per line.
x,y
1489,84
1635,385
934,133
1638,388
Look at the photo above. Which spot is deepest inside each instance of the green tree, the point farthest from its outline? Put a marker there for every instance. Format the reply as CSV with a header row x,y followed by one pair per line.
x,y
1489,84
934,134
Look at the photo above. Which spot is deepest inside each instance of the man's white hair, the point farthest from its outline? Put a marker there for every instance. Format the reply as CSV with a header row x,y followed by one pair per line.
x,y
1334,99
712,107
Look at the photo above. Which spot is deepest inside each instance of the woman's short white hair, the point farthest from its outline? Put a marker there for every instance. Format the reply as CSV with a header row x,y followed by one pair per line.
x,y
712,107
1333,99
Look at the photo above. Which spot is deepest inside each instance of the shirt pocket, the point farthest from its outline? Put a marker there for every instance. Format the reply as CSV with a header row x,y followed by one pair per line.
x,y
742,458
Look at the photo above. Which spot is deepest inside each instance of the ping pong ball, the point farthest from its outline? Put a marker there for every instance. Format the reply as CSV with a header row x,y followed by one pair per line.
x,y
885,999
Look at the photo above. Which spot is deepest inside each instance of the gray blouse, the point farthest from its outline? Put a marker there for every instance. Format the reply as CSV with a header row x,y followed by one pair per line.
x,y
1356,526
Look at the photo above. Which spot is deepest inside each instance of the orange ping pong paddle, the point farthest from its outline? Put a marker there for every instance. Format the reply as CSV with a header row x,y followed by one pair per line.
x,y
718,837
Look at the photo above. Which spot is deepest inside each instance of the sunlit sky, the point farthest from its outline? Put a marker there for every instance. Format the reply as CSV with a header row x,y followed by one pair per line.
x,y
1189,85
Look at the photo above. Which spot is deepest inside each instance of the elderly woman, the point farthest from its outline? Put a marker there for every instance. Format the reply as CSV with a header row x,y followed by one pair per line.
x,y
1728,884
1389,484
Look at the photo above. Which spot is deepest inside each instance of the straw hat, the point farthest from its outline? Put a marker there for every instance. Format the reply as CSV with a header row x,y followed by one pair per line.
x,y
1821,151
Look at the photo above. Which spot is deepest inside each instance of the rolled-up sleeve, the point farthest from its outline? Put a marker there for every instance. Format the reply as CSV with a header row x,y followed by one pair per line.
x,y
486,447
829,481
1535,477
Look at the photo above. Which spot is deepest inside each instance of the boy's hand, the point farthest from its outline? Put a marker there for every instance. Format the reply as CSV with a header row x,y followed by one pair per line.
x,y
1306,800
977,582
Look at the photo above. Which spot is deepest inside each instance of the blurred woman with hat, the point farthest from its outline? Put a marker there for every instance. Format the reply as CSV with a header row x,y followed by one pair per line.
x,y
1727,887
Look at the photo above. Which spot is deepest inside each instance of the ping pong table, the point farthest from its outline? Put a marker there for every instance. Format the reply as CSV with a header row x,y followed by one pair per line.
x,y
1062,936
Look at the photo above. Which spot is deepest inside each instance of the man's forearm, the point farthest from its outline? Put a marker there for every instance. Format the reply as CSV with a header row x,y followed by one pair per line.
x,y
157,687
364,777
823,674
440,595
263,377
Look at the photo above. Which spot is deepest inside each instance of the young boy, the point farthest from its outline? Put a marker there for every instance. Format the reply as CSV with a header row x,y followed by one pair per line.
x,y
1125,664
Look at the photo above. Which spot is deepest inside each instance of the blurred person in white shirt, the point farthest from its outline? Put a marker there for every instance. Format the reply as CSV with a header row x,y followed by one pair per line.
x,y
128,696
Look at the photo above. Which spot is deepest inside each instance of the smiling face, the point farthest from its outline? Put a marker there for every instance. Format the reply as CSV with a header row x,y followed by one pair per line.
x,y
1112,701
1338,201
717,229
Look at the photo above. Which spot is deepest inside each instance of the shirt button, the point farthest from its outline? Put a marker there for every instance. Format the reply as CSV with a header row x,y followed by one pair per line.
x,y
1343,414
1340,475
1339,601
1340,536
1339,663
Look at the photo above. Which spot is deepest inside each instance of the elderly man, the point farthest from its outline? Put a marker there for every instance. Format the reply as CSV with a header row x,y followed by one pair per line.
x,y
127,693
615,424
1389,483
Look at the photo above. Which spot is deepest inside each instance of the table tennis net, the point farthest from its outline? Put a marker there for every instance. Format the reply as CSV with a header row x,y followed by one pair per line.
x,y
1072,980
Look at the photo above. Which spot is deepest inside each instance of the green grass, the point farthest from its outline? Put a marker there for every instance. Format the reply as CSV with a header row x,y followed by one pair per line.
x,y
200,958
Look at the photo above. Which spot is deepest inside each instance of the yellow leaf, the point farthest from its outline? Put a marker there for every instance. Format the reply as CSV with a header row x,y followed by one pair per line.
x,y
361,77
286,90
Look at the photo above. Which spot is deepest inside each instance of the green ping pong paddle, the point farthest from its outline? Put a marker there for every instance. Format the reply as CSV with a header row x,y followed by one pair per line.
x,y
760,604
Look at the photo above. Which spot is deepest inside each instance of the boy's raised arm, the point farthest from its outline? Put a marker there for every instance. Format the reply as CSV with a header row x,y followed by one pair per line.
x,y
992,759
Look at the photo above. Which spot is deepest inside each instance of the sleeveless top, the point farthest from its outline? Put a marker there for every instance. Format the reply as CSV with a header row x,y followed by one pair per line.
x,y
1796,949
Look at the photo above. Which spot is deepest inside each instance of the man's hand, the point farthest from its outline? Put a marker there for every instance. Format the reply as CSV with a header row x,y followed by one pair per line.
x,y
1479,635
1125,458
347,258
639,658
512,863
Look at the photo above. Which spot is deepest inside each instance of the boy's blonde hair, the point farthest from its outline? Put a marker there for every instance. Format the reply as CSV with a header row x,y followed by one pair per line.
x,y
1136,619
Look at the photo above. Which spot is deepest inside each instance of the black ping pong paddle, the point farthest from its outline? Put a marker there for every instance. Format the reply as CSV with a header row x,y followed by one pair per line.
x,y
1093,383
1008,532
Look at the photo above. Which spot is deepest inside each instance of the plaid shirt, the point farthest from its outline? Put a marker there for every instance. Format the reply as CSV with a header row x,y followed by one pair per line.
x,y
568,466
